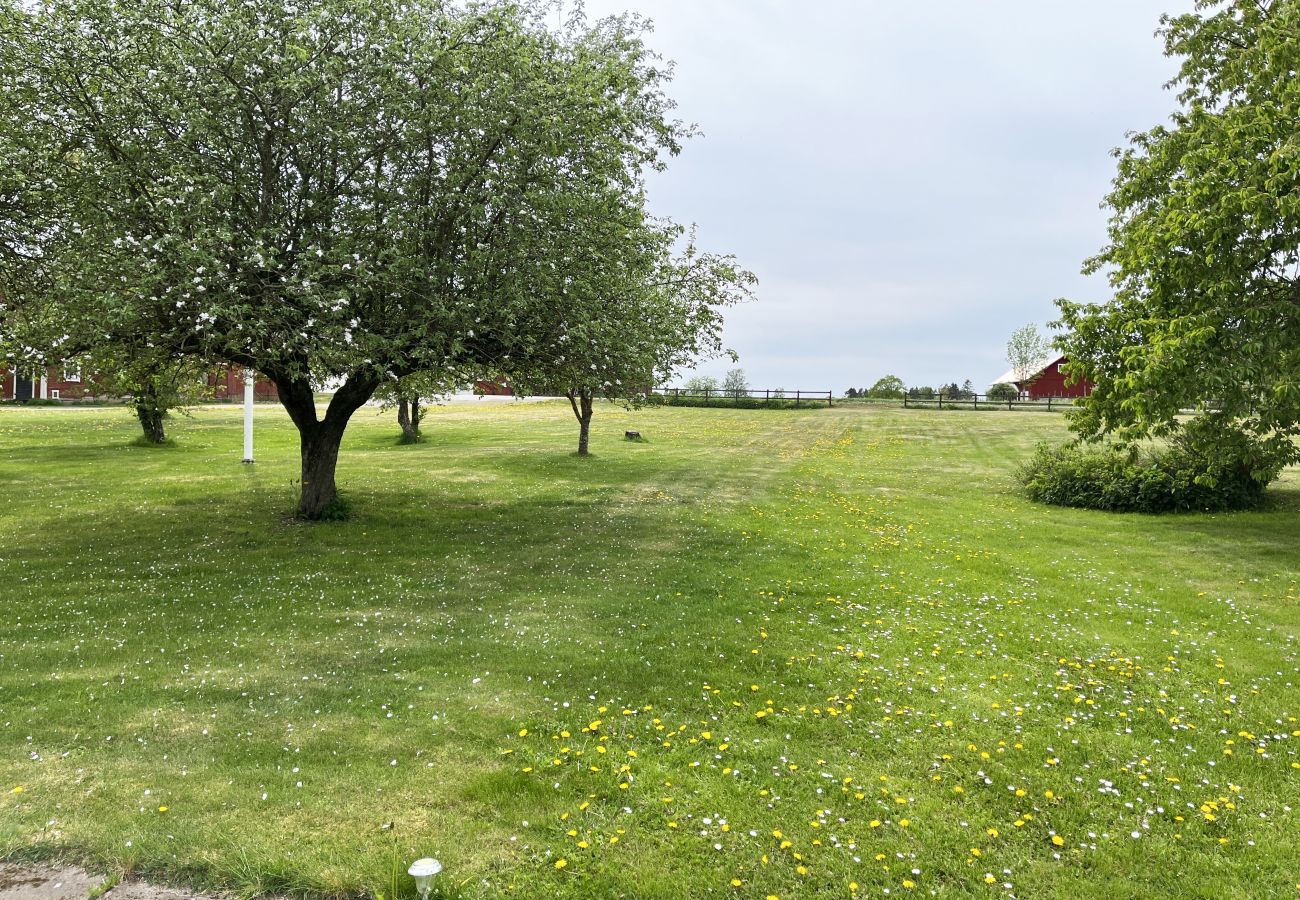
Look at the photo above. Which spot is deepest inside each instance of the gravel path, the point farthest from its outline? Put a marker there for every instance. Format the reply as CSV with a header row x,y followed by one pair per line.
x,y
23,882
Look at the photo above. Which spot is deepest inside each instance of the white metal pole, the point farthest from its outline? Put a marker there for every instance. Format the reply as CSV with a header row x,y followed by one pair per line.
x,y
248,415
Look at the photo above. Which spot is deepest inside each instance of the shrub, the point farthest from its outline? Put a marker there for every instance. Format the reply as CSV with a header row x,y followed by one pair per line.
x,y
1208,466
1003,392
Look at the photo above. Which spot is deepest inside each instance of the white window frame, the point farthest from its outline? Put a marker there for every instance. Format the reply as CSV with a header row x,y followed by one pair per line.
x,y
72,373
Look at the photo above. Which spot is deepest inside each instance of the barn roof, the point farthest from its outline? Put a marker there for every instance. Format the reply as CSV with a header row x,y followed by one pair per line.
x,y
1035,370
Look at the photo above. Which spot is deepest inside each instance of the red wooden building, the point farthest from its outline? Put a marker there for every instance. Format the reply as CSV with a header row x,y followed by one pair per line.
x,y
67,383
1047,379
227,383
493,388
44,383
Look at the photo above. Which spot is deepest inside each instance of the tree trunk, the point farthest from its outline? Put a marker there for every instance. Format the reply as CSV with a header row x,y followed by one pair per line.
x,y
151,414
408,416
404,415
580,400
319,439
320,456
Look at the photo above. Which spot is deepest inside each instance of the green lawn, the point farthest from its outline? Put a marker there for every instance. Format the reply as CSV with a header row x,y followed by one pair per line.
x,y
793,653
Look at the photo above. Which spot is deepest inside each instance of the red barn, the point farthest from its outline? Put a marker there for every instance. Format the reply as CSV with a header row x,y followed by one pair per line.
x,y
227,383
44,383
67,383
488,388
1046,379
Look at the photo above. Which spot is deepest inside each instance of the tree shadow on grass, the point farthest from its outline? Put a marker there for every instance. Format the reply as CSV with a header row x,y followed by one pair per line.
x,y
555,584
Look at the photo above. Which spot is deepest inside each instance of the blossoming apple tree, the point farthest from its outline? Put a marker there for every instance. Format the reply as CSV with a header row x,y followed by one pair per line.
x,y
351,190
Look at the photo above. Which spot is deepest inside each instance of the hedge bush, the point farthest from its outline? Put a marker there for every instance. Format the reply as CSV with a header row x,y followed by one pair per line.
x,y
1206,467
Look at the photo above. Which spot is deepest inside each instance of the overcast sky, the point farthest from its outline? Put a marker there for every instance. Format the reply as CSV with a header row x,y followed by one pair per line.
x,y
910,181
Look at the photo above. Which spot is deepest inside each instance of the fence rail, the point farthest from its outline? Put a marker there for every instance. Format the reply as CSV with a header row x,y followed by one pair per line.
x,y
984,401
765,397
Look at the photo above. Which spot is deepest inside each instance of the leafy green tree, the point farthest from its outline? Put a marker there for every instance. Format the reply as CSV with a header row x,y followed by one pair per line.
x,y
409,395
1026,350
890,387
348,189
636,312
701,383
156,381
1204,244
735,384
157,386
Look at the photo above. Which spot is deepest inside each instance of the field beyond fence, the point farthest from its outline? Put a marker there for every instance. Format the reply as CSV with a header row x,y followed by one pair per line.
x,y
742,399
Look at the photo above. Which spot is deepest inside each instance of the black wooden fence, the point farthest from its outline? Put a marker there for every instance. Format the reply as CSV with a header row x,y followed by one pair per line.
x,y
746,398
984,401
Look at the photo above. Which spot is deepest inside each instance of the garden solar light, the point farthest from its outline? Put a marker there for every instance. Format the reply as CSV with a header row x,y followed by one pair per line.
x,y
423,870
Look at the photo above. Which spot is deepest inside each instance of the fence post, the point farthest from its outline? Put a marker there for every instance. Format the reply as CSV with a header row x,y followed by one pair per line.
x,y
830,399
977,401
904,399
941,399
1049,404
796,398
706,396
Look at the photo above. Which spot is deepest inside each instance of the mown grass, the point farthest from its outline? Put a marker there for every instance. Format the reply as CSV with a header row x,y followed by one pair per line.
x,y
791,653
